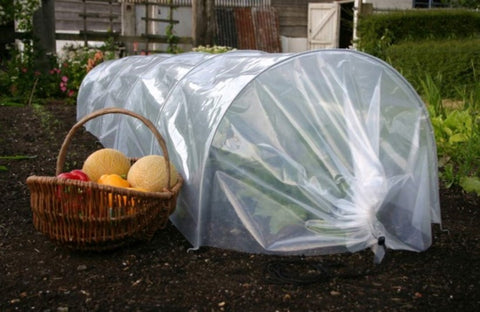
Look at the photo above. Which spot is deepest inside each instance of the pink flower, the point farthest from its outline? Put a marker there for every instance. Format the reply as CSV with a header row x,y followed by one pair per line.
x,y
64,78
63,86
71,93
98,56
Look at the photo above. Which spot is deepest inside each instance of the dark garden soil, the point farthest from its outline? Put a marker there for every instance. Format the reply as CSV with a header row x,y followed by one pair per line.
x,y
163,275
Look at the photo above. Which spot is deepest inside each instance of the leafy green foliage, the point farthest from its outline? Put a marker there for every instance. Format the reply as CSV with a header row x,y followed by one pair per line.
x,y
76,61
437,52
20,81
212,49
471,184
19,10
452,64
269,198
14,157
379,31
172,39
7,11
457,134
18,74
473,4
23,78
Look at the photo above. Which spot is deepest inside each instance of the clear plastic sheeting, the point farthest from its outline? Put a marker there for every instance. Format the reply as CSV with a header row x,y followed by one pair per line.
x,y
318,152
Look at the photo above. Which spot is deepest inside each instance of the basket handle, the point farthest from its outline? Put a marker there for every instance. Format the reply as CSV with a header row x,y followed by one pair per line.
x,y
112,110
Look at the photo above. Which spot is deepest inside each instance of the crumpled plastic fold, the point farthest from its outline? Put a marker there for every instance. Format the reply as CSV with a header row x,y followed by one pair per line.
x,y
310,153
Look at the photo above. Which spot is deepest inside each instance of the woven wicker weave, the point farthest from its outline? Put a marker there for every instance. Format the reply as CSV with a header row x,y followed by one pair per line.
x,y
89,216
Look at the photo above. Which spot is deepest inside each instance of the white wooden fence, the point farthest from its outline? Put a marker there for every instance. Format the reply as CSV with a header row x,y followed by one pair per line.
x,y
93,15
218,3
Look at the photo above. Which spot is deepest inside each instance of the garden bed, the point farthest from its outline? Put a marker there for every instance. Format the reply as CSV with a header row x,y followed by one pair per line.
x,y
163,275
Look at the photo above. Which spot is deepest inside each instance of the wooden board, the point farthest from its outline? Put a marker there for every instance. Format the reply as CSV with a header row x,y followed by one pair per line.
x,y
248,28
245,29
267,35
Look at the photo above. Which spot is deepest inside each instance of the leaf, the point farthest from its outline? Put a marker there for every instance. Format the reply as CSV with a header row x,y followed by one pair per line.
x,y
325,228
458,138
459,120
281,216
443,160
447,131
8,103
470,184
18,157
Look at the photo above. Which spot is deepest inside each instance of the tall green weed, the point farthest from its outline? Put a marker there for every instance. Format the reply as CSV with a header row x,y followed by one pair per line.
x,y
457,134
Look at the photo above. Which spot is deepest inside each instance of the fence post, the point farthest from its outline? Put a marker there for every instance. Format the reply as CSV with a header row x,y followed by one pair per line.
x,y
128,24
44,31
203,22
85,40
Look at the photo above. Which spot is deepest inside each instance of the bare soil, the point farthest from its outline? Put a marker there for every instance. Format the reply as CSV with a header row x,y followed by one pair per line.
x,y
163,275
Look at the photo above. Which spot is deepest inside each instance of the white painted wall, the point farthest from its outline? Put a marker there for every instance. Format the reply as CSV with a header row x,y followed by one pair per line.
x,y
293,45
391,4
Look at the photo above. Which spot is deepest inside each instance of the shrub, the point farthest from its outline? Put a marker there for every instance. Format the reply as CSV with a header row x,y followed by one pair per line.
x,y
76,61
453,64
23,77
20,80
378,31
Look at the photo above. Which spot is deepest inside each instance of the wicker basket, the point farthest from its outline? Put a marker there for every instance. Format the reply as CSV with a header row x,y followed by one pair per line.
x,y
89,216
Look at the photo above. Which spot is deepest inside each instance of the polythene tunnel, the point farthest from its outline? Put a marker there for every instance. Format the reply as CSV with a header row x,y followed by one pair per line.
x,y
309,153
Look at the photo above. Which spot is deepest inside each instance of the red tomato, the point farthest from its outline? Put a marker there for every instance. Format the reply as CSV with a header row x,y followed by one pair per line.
x,y
74,175
80,175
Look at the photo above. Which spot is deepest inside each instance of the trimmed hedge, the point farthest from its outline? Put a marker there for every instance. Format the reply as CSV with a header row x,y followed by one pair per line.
x,y
379,31
452,64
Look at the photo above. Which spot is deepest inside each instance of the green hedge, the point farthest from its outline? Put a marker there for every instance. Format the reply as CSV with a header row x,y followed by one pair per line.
x,y
452,64
378,31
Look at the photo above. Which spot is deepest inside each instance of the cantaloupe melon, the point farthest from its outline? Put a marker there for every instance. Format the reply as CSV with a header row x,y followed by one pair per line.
x,y
150,173
106,161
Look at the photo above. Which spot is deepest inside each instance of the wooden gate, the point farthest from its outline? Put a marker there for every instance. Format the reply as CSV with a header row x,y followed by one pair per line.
x,y
323,25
